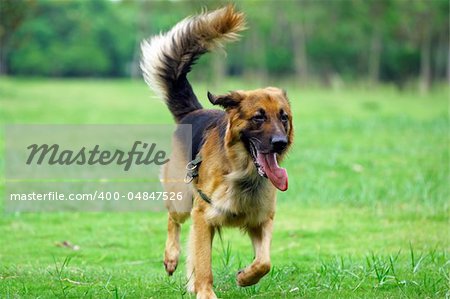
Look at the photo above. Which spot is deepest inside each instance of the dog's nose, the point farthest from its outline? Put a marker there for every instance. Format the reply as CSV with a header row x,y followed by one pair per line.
x,y
279,143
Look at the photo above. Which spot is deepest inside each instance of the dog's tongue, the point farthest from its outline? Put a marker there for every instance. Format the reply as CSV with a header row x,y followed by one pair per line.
x,y
277,175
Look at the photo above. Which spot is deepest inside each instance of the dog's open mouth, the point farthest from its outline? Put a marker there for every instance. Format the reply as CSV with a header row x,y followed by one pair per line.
x,y
267,166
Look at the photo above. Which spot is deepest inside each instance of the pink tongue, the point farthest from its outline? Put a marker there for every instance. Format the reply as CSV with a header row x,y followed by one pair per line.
x,y
277,175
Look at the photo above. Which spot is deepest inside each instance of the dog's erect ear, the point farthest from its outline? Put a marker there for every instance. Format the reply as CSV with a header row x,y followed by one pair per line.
x,y
229,100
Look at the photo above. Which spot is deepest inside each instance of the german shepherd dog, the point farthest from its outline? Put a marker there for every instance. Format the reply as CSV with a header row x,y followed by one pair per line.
x,y
240,147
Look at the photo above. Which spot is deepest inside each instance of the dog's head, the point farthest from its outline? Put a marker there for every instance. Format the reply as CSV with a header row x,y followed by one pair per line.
x,y
262,120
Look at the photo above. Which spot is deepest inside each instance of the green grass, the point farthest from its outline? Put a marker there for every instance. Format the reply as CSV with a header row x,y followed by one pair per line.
x,y
366,214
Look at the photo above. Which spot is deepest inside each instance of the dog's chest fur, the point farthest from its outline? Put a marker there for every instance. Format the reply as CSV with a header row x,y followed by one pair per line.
x,y
244,199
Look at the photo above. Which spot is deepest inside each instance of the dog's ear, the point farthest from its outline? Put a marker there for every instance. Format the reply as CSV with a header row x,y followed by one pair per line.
x,y
229,100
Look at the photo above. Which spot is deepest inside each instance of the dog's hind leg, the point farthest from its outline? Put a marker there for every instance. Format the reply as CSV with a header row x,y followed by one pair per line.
x,y
261,237
172,250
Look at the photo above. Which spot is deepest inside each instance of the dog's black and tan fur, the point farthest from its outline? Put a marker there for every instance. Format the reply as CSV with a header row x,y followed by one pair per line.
x,y
239,145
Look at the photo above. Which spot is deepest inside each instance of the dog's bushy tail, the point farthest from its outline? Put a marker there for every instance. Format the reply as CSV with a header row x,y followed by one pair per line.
x,y
167,58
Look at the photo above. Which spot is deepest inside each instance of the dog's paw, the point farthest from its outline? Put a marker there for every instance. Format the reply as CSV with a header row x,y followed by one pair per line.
x,y
170,265
242,279
252,274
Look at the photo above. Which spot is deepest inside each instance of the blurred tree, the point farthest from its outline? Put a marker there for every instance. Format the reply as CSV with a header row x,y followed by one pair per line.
x,y
421,24
377,11
12,15
299,24
73,39
141,31
330,41
441,37
423,12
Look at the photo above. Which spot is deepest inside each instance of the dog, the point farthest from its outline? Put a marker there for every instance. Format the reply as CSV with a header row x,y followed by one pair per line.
x,y
235,151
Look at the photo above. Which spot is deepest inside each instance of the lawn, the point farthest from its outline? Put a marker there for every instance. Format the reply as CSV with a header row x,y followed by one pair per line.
x,y
366,214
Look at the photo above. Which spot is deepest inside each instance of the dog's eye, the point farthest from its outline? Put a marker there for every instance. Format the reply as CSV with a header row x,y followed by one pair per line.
x,y
259,118
284,117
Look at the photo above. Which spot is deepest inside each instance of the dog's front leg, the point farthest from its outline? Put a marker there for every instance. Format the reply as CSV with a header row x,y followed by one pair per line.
x,y
261,237
199,259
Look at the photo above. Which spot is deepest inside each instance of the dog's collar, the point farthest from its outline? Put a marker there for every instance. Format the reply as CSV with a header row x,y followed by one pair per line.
x,y
192,172
192,169
203,196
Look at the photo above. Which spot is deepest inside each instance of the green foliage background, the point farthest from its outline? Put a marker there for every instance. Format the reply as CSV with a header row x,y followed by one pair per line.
x,y
388,40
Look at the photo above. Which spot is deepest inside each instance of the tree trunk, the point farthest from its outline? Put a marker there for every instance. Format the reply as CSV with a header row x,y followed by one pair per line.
x,y
439,57
425,62
3,68
142,31
300,57
218,68
258,70
448,62
374,56
377,10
